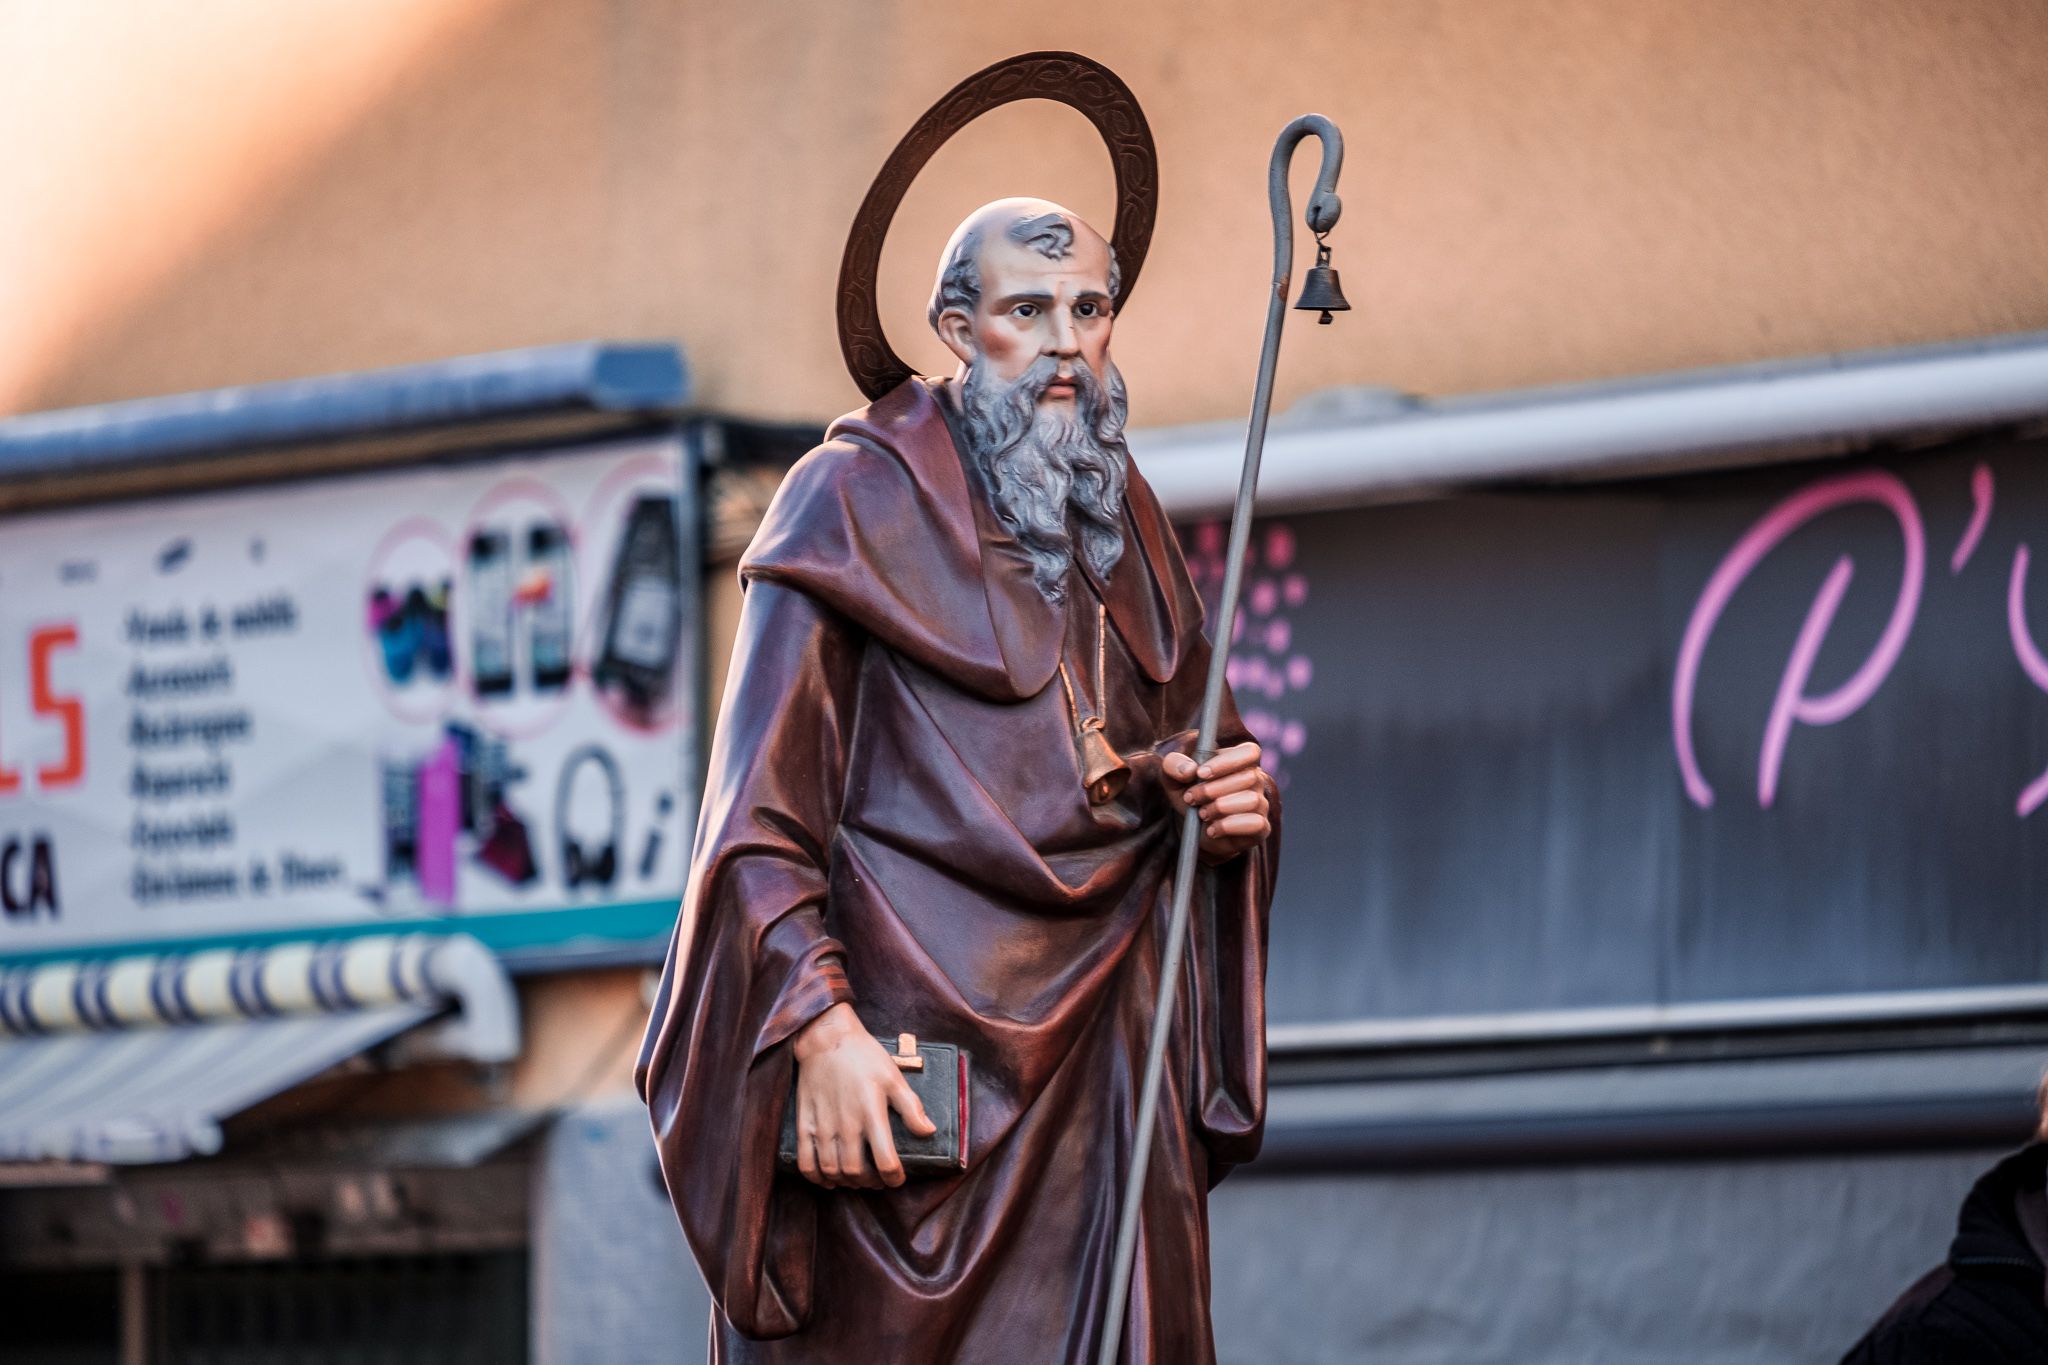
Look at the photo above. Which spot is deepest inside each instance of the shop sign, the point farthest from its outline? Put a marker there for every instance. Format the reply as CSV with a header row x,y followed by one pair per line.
x,y
460,693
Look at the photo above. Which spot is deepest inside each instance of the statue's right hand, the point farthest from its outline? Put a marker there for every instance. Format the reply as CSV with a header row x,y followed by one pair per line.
x,y
845,1087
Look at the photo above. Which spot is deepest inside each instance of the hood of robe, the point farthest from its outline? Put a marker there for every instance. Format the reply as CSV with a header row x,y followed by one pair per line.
x,y
883,525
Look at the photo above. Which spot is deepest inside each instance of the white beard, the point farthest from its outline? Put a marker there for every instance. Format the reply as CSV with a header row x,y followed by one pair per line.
x,y
1051,475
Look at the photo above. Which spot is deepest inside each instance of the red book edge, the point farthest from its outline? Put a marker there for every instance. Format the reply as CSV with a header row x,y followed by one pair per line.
x,y
963,1111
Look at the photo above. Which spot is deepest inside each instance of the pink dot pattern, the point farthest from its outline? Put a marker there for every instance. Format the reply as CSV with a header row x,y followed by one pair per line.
x,y
1265,669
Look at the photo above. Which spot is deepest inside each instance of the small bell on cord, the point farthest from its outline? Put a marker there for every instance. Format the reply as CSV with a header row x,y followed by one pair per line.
x,y
1102,772
1320,291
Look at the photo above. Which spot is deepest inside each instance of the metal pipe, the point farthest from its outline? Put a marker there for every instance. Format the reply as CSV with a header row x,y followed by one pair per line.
x,y
1323,210
1706,1107
1625,1021
1965,1121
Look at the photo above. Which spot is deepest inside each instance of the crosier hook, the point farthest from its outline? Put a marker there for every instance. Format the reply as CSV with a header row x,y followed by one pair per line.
x,y
1324,207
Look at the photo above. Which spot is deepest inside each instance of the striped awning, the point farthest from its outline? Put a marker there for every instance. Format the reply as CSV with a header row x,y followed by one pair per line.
x,y
138,1059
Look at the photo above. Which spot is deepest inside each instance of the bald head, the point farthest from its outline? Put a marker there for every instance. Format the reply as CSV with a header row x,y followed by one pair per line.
x,y
1009,226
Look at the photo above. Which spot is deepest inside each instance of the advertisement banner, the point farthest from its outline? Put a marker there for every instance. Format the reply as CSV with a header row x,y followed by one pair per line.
x,y
461,692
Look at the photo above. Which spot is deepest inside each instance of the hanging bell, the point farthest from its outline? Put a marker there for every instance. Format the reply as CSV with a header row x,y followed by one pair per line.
x,y
1102,772
1320,291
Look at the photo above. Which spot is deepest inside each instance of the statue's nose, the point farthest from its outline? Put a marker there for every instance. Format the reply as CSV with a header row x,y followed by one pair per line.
x,y
1065,339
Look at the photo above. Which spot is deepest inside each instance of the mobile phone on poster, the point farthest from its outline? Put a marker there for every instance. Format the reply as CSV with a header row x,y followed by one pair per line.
x,y
551,617
490,612
643,615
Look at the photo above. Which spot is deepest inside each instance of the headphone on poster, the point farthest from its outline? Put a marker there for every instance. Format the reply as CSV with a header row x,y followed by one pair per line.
x,y
581,865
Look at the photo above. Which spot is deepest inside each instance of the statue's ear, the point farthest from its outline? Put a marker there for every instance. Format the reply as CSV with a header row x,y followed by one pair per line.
x,y
956,329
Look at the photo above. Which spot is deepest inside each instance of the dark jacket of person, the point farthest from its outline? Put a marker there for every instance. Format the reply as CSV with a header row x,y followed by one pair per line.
x,y
1989,1304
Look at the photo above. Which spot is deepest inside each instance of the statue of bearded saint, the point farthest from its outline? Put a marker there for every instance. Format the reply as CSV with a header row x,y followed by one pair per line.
x,y
945,797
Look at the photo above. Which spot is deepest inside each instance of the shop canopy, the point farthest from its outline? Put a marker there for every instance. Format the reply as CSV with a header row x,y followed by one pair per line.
x,y
138,1059
1358,446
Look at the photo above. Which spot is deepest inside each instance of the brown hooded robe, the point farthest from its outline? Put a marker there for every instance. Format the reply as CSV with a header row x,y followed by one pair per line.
x,y
894,785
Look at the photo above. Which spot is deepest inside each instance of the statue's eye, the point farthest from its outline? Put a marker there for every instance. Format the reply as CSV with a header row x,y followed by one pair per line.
x,y
1087,308
1025,310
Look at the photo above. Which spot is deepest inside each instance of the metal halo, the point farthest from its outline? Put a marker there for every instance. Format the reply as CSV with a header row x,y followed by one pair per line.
x,y
1065,77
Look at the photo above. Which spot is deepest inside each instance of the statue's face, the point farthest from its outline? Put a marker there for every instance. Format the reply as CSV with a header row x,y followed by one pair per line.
x,y
1033,305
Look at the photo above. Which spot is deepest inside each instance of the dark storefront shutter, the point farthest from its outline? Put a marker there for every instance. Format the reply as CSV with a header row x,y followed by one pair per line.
x,y
465,1309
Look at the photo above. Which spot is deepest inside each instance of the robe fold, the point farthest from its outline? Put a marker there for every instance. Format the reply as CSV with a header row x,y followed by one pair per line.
x,y
894,817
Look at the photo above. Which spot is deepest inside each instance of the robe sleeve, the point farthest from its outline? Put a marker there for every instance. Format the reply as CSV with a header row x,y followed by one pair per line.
x,y
750,963
1225,981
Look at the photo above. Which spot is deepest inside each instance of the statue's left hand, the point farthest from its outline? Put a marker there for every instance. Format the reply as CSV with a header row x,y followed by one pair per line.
x,y
1230,792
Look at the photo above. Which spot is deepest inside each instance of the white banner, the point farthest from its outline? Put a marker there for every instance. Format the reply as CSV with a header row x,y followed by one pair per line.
x,y
453,691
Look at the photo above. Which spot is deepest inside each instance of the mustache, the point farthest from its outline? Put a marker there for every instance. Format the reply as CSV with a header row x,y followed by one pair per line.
x,y
1045,371
1008,407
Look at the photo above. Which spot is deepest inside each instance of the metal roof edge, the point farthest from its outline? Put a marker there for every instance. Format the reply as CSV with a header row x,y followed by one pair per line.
x,y
589,376
1638,425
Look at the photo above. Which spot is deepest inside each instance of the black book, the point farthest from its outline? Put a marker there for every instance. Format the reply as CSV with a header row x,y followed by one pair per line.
x,y
940,1084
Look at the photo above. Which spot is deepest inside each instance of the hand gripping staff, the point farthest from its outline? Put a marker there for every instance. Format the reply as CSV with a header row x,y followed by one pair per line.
x,y
1320,293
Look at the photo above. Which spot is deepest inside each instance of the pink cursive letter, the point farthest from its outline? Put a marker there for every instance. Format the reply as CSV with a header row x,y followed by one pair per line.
x,y
1792,703
2031,662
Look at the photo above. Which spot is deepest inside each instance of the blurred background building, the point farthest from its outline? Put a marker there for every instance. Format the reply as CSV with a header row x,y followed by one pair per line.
x,y
1640,629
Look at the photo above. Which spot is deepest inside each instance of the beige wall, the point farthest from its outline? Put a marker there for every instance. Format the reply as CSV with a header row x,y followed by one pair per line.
x,y
1538,190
